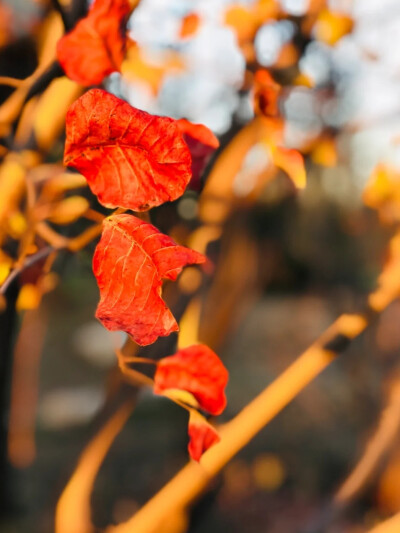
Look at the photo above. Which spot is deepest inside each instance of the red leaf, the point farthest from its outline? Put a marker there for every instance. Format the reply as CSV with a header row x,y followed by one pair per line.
x,y
198,370
201,142
129,263
130,159
202,435
96,46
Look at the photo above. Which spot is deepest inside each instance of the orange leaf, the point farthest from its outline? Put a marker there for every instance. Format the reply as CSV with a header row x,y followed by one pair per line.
x,y
68,210
130,159
198,370
325,152
382,193
266,93
129,263
190,25
96,46
202,435
332,26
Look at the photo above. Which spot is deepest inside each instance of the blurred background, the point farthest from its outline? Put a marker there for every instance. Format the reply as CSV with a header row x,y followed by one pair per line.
x,y
288,262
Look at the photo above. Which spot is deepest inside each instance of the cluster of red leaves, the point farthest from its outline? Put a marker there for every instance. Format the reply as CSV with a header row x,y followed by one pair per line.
x,y
134,160
198,371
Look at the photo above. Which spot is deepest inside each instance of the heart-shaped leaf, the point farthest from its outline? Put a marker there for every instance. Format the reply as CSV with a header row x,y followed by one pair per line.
x,y
130,159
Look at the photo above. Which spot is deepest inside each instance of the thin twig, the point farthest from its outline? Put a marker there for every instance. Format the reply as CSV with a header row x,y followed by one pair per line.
x,y
31,260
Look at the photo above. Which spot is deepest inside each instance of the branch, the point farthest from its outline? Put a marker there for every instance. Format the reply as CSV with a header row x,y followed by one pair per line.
x,y
32,259
377,447
392,525
193,479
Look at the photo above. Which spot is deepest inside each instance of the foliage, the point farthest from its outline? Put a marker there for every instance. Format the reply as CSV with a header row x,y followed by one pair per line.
x,y
133,160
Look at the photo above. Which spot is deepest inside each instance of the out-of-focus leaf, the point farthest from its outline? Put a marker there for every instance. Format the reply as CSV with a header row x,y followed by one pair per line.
x,y
130,158
266,94
288,56
130,262
29,297
96,46
382,193
68,210
243,21
201,434
324,152
137,67
12,185
51,109
332,26
198,370
17,224
62,183
189,26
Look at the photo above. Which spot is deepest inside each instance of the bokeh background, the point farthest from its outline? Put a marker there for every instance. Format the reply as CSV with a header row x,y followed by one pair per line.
x,y
288,263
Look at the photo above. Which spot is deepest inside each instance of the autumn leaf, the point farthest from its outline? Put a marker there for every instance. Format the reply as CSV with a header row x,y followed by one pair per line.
x,y
189,26
331,26
198,370
130,159
96,46
382,192
201,435
266,94
130,262
201,142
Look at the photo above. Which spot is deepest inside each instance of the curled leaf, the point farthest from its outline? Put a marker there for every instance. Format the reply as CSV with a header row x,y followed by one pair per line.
x,y
198,370
130,159
201,142
130,262
96,46
201,435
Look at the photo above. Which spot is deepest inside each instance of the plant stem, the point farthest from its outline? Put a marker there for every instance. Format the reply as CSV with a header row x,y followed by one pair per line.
x,y
192,480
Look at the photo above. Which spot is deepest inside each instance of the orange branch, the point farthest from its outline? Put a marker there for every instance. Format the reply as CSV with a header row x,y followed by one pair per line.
x,y
73,509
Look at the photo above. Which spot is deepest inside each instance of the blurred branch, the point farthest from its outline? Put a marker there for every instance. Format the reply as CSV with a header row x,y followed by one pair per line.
x,y
376,449
380,443
57,7
193,479
392,525
31,260
73,509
